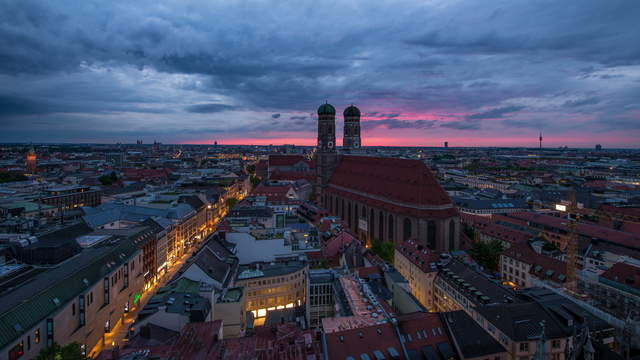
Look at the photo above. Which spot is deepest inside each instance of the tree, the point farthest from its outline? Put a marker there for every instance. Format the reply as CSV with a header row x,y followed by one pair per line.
x,y
254,181
487,253
71,351
251,169
8,177
383,249
108,179
231,202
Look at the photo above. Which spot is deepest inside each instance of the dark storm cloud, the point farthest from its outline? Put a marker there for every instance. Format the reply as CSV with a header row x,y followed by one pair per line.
x,y
393,123
582,102
209,108
495,113
182,59
17,105
527,123
461,125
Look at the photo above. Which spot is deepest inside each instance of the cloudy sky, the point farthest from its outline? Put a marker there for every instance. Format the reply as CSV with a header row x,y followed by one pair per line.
x,y
475,73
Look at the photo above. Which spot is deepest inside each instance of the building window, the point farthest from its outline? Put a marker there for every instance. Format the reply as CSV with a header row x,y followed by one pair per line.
x,y
36,336
81,310
106,291
126,276
452,235
406,229
555,344
380,226
49,332
431,234
524,347
390,229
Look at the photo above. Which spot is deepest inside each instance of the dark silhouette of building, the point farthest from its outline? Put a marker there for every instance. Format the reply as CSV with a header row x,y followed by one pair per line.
x,y
326,154
351,139
384,199
31,161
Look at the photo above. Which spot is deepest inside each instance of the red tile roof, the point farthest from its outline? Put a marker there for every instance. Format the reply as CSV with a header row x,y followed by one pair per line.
x,y
275,193
363,340
597,231
334,245
291,175
400,180
542,267
624,273
505,233
418,255
197,341
408,211
262,165
417,325
286,160
364,272
280,342
621,210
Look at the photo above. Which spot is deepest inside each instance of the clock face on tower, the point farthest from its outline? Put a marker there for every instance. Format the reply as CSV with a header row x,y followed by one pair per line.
x,y
330,144
356,143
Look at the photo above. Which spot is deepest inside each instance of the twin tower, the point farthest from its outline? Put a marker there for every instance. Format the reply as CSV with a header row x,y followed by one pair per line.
x,y
326,153
327,128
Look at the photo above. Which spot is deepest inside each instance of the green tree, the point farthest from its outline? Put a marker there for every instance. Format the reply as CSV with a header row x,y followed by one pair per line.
x,y
71,351
254,181
108,179
487,253
231,202
549,246
251,169
8,177
383,249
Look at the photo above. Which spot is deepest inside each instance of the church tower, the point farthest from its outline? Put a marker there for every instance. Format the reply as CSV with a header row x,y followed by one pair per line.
x,y
31,161
351,139
326,155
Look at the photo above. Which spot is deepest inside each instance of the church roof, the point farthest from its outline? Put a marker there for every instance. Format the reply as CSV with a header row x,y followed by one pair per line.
x,y
400,182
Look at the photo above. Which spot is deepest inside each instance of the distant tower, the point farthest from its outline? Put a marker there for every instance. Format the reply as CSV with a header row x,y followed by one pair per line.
x,y
215,143
31,161
598,147
326,155
541,140
446,144
351,139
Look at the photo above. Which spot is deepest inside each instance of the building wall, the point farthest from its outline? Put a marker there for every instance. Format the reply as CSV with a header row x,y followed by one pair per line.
x,y
320,303
66,323
73,200
393,224
515,271
270,293
233,317
420,282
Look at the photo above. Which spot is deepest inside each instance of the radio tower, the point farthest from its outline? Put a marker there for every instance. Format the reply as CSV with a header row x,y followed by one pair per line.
x,y
541,140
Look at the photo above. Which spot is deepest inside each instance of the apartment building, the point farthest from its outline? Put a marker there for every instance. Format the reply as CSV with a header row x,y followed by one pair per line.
x,y
79,300
271,286
419,266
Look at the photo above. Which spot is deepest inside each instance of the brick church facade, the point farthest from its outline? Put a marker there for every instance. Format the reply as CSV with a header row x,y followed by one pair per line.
x,y
385,199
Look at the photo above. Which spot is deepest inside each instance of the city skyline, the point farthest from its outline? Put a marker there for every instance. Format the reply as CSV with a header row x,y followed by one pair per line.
x,y
472,74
